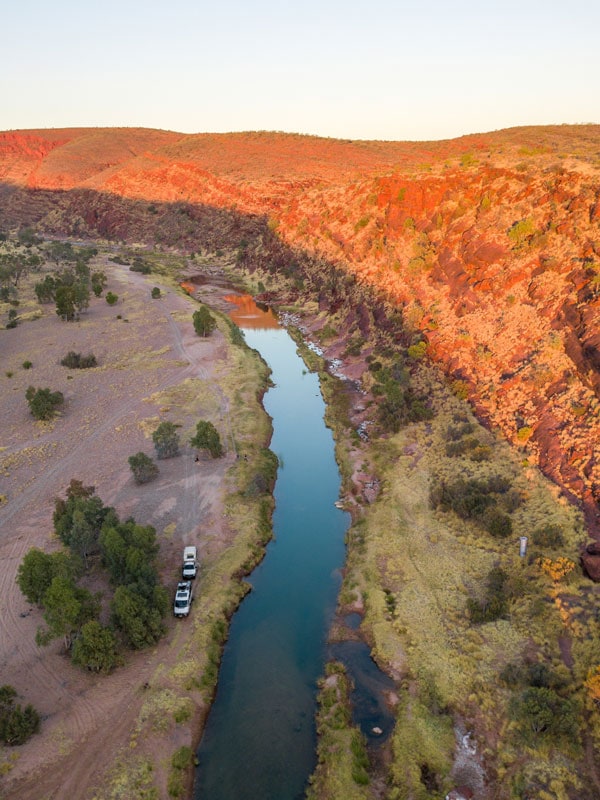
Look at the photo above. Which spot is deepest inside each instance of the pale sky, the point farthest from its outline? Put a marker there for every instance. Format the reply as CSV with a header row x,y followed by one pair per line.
x,y
348,69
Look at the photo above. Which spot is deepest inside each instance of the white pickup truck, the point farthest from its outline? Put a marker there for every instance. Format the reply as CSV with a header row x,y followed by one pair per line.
x,y
190,565
183,599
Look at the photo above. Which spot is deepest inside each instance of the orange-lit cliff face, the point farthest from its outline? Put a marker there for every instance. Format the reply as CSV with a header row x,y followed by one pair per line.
x,y
490,243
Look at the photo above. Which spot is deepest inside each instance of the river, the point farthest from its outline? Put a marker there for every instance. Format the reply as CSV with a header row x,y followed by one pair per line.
x,y
260,738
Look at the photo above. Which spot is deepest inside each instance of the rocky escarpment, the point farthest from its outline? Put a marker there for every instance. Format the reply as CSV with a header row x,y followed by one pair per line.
x,y
489,245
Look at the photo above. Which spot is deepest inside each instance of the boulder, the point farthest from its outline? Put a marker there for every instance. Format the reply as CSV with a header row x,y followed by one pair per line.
x,y
460,793
591,566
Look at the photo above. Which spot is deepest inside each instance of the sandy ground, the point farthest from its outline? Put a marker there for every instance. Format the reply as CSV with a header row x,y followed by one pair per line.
x,y
108,415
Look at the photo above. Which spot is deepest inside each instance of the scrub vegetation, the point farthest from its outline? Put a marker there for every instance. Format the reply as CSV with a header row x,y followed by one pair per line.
x,y
451,607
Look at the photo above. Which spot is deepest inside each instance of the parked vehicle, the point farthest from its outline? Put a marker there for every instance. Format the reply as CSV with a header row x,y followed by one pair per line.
x,y
183,599
190,565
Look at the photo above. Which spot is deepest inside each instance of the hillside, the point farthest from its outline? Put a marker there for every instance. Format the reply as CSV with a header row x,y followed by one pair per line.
x,y
490,245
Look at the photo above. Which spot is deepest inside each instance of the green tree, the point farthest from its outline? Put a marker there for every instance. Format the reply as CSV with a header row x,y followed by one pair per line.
x,y
142,468
140,622
43,403
79,518
61,251
14,266
67,608
99,282
72,293
65,302
36,571
204,322
113,547
129,553
46,290
166,440
543,712
81,295
83,536
95,648
17,725
207,438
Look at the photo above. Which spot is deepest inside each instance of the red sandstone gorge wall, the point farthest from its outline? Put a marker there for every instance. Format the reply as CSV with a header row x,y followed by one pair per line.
x,y
490,243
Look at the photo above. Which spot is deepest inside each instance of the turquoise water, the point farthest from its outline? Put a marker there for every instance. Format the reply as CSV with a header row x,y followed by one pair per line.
x,y
260,737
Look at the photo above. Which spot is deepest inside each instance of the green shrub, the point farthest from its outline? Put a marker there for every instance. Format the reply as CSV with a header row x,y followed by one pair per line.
x,y
513,675
175,784
495,604
521,232
542,712
27,365
43,403
182,758
360,759
95,648
166,440
548,535
204,322
497,523
362,223
207,438
111,298
17,724
417,351
75,360
456,432
155,293
99,282
142,467
263,479
139,265
355,346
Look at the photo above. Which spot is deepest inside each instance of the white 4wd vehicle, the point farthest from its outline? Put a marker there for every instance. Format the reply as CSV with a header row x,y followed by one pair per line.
x,y
183,599
189,563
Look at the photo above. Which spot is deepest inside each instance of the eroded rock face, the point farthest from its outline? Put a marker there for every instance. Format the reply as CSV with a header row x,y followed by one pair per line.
x,y
590,561
489,244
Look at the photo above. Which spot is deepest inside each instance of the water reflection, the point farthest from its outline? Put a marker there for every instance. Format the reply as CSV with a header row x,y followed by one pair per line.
x,y
246,313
